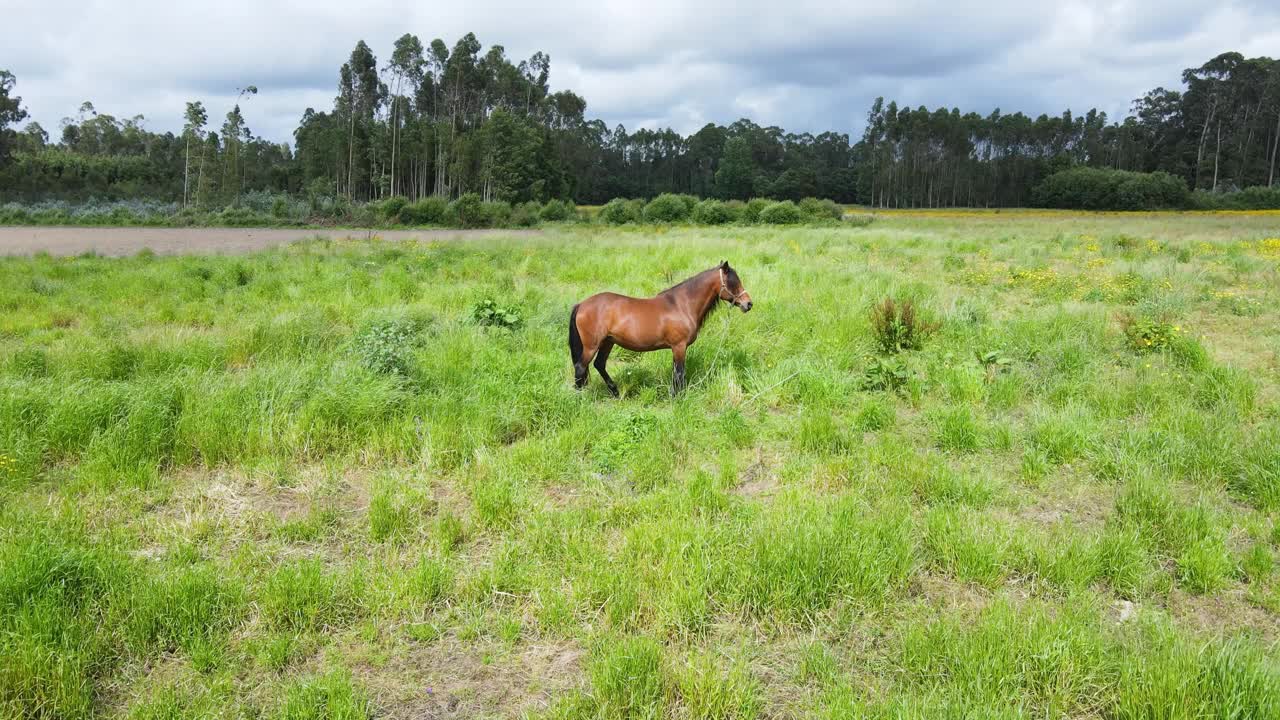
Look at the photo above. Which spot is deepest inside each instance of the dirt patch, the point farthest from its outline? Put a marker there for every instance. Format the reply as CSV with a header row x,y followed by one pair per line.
x,y
758,480
119,242
1227,612
450,679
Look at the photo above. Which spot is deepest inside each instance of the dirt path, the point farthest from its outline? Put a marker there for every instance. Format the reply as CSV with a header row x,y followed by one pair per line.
x,y
117,242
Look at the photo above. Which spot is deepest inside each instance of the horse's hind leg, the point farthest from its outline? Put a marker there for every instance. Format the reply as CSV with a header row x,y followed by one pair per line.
x,y
602,357
578,353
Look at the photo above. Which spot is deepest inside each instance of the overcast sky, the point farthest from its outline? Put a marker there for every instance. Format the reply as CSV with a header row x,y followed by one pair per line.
x,y
802,65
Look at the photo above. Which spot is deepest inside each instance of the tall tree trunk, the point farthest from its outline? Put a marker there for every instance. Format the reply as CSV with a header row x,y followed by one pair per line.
x,y
1271,176
200,175
1217,150
1204,135
351,140
186,173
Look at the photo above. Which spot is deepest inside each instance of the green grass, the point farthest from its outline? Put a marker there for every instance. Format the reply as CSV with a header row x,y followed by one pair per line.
x,y
322,481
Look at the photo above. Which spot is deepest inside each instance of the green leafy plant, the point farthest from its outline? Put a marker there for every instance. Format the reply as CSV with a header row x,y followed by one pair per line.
x,y
386,346
994,362
490,313
889,373
1146,334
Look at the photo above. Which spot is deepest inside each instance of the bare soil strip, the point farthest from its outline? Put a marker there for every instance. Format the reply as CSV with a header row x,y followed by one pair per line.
x,y
117,242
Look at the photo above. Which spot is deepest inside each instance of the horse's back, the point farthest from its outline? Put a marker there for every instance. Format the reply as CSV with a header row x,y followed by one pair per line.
x,y
639,324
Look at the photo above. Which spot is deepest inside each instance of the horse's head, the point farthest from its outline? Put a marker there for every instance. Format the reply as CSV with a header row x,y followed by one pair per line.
x,y
731,290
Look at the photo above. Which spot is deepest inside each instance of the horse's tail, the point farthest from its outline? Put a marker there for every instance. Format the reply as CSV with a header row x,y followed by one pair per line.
x,y
575,340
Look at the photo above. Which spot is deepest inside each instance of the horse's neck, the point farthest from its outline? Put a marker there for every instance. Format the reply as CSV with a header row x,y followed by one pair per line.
x,y
705,298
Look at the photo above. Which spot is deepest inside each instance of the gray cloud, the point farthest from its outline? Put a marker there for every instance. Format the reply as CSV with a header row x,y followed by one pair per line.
x,y
803,65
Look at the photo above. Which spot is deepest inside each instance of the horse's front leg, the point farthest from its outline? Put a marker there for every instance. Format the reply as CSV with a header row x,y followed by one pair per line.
x,y
677,369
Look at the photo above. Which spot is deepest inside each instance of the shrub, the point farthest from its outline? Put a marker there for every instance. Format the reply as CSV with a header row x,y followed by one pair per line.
x,y
525,214
557,211
389,209
751,211
490,313
427,211
1148,334
898,326
620,211
817,210
781,213
495,213
667,208
711,212
468,211
1250,198
387,346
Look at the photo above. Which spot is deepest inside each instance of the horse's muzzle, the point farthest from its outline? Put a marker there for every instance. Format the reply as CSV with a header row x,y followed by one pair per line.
x,y
746,306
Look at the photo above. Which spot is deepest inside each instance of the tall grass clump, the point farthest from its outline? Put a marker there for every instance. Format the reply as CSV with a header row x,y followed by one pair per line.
x,y
897,325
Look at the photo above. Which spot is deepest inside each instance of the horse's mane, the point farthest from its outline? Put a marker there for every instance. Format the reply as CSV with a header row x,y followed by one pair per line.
x,y
688,281
711,307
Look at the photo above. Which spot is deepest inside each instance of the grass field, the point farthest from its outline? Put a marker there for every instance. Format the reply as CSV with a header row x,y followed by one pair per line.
x,y
352,479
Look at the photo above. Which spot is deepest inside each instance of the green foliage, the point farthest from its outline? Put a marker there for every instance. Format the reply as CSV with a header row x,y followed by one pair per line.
x,y
781,213
557,211
526,214
815,210
1258,197
712,212
1086,188
333,696
752,210
304,595
427,211
386,346
1146,334
667,208
620,212
885,373
876,413
897,326
490,312
627,678
469,211
737,171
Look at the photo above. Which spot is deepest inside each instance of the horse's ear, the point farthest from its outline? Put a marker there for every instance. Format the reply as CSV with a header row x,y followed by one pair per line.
x,y
724,264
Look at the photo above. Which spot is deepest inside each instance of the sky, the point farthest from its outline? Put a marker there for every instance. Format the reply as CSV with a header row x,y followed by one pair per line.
x,y
802,65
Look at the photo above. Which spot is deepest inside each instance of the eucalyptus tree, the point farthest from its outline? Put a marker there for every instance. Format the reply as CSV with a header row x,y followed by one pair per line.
x,y
196,118
407,68
11,112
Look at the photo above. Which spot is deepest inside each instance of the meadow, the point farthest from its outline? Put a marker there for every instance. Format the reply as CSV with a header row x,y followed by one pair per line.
x,y
352,479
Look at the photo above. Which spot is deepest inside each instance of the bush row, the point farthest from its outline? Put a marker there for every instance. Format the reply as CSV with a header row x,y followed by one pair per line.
x,y
1085,188
671,208
1251,198
467,211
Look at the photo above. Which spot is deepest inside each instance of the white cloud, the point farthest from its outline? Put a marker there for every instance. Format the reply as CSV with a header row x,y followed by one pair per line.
x,y
803,65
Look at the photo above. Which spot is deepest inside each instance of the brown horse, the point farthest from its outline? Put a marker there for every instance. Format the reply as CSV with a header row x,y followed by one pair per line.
x,y
671,319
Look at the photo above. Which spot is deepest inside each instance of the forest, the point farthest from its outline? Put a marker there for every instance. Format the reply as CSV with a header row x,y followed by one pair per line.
x,y
430,120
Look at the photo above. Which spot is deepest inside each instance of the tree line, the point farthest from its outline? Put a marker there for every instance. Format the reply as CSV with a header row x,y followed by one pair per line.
x,y
439,121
